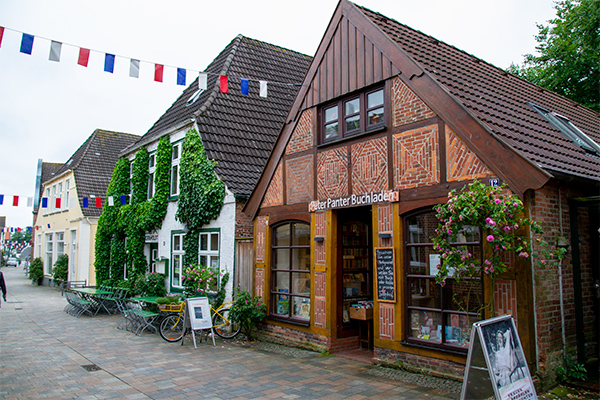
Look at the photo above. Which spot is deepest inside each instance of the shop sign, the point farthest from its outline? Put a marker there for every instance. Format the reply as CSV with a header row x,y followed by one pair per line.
x,y
151,237
355,200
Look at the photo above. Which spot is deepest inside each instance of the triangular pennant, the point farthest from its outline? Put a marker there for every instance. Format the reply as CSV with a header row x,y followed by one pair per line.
x,y
84,56
27,44
263,88
244,86
224,84
202,81
134,68
181,76
158,72
55,48
109,63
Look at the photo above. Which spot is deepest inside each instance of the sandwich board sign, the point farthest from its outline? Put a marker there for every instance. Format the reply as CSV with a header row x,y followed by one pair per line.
x,y
199,311
496,366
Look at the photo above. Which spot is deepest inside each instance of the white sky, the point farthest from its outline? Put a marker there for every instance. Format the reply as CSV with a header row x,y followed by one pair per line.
x,y
48,109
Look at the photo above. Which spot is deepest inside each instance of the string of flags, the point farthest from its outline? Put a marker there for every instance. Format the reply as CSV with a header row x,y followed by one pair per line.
x,y
86,202
27,44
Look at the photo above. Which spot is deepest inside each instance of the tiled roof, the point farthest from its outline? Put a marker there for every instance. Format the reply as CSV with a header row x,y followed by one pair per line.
x,y
93,164
499,101
238,131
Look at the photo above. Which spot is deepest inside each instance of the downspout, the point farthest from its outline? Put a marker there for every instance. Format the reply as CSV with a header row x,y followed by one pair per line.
x,y
535,327
560,279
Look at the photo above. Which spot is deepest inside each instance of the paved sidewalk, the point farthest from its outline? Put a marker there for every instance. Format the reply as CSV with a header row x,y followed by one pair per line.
x,y
48,354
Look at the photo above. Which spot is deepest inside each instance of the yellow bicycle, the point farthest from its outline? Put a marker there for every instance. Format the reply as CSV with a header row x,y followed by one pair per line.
x,y
173,327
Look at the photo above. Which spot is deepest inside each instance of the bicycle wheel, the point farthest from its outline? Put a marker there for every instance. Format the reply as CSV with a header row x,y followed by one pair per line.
x,y
223,326
172,328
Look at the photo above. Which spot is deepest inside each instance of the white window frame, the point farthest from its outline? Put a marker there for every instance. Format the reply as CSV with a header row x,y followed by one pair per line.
x,y
67,193
53,205
208,255
177,254
49,253
60,243
175,158
59,195
151,172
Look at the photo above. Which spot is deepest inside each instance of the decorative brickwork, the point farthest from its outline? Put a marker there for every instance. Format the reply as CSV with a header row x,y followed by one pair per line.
x,y
386,321
332,174
260,282
385,223
274,194
418,363
320,230
261,228
416,158
463,164
244,227
300,179
306,340
407,107
302,138
369,166
320,316
505,298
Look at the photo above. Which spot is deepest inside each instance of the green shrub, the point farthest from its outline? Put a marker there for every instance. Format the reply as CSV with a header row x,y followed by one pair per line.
x,y
60,272
573,372
247,311
36,270
152,284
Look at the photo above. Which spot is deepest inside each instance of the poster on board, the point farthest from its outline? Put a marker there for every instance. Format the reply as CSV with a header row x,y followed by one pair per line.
x,y
198,309
496,365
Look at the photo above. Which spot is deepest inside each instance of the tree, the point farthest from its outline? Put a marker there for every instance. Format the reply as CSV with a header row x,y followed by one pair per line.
x,y
569,53
23,235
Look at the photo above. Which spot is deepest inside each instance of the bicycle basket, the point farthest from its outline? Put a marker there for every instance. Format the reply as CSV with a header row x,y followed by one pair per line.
x,y
171,307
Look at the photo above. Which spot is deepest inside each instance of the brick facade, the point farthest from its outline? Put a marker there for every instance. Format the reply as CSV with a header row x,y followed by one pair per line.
x,y
302,138
261,226
369,166
274,194
244,227
332,173
416,158
299,175
462,163
407,107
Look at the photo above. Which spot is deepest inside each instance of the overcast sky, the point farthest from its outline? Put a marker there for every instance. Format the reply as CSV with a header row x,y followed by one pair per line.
x,y
48,109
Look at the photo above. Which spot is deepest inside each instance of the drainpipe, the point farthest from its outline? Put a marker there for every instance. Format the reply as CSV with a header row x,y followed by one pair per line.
x,y
560,279
535,327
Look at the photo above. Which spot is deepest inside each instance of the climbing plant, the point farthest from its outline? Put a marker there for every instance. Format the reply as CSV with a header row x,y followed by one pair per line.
x,y
121,228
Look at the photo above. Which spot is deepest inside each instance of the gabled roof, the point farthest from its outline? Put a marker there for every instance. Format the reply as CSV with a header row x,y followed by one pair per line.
x,y
93,164
238,131
484,106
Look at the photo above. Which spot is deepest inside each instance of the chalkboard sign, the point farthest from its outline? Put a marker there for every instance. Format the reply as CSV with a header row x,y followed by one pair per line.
x,y
386,274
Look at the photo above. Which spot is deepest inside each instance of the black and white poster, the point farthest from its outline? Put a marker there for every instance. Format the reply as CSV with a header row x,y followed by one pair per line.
x,y
497,349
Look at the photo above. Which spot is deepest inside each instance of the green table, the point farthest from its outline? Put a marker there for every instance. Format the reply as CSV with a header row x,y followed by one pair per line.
x,y
97,296
149,299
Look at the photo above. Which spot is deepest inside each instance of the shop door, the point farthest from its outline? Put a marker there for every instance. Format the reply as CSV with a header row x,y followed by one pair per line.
x,y
355,275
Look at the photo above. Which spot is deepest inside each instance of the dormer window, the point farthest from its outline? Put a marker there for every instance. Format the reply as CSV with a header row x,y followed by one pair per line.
x,y
353,115
565,125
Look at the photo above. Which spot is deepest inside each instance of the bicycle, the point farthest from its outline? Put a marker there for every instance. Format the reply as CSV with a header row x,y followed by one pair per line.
x,y
173,327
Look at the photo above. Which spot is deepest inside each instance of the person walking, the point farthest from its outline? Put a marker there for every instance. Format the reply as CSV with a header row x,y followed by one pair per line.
x,y
2,286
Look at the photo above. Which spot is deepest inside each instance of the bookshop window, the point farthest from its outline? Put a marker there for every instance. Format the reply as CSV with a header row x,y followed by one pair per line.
x,y
290,272
439,316
353,115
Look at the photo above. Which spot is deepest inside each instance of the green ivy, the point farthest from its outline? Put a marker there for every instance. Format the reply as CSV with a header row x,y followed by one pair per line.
x,y
121,228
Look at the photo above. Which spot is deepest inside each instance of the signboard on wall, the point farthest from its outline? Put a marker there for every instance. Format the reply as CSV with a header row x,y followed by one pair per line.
x,y
385,274
355,200
496,365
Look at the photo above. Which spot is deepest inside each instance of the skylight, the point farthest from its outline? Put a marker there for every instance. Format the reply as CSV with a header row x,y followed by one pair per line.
x,y
194,97
565,125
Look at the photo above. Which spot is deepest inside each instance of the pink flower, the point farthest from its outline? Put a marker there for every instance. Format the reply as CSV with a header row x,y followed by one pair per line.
x,y
497,201
492,269
443,283
543,262
523,254
488,262
449,232
516,226
486,270
490,221
490,238
246,301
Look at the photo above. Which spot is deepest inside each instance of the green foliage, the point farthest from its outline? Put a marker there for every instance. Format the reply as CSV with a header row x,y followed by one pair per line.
x,y
190,245
21,236
36,270
569,53
247,311
488,211
169,299
121,228
60,272
572,372
152,284
201,193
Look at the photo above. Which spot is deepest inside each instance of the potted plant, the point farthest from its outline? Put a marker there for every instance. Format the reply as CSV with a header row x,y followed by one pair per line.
x,y
36,271
60,272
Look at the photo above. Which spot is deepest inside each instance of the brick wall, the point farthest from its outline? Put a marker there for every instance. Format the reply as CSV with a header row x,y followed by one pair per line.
x,y
416,158
302,137
299,179
274,194
304,339
332,173
244,228
418,363
407,107
369,166
320,287
462,163
261,228
259,289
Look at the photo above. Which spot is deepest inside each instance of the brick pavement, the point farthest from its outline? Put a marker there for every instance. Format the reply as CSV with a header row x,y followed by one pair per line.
x,y
48,354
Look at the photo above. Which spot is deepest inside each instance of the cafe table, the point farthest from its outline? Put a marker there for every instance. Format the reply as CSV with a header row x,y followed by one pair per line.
x,y
97,296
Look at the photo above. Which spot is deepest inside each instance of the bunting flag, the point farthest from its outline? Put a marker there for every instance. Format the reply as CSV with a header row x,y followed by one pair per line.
x,y
72,202
15,201
30,202
84,56
181,76
55,48
1,34
57,202
48,226
111,201
123,199
134,68
244,86
224,84
44,202
202,81
1,199
85,202
158,72
98,202
263,88
26,44
109,63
